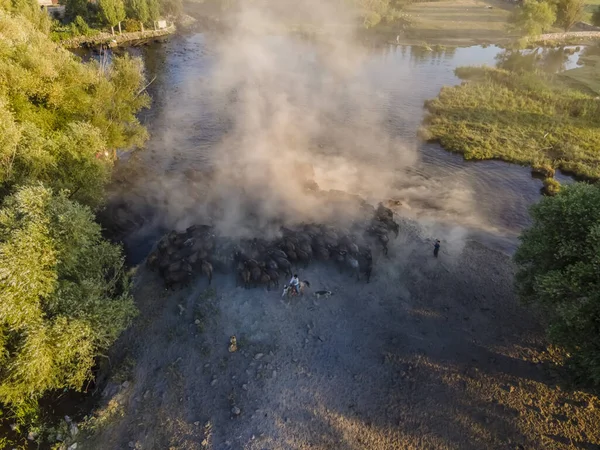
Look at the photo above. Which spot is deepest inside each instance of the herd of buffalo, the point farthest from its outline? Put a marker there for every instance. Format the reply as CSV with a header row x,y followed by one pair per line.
x,y
261,262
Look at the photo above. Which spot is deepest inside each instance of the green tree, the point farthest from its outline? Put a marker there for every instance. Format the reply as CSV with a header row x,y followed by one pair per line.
x,y
596,17
64,296
112,12
558,262
138,9
58,117
569,12
74,8
533,17
153,10
31,11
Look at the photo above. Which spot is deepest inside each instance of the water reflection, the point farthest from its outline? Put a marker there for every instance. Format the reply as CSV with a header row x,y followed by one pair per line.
x,y
549,60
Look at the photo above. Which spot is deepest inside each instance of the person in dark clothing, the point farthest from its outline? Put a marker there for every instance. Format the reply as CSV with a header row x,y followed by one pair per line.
x,y
436,248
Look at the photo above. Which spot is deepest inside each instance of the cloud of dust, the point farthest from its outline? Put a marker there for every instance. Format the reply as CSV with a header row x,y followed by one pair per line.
x,y
294,110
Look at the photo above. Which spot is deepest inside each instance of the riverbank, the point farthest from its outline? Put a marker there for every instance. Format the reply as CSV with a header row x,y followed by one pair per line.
x,y
110,40
524,118
453,362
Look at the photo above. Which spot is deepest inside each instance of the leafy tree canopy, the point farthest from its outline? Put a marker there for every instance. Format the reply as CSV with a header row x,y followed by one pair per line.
x,y
63,295
58,115
569,12
558,263
112,11
533,17
153,10
74,8
138,9
30,9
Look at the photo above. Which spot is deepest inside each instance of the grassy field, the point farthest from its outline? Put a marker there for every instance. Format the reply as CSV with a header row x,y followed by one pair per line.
x,y
460,21
528,118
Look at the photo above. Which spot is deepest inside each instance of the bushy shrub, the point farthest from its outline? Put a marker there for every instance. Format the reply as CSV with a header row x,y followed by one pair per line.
x,y
64,296
558,262
58,115
132,25
533,17
551,186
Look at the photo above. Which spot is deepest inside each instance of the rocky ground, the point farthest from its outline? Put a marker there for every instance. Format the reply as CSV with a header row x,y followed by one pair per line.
x,y
433,353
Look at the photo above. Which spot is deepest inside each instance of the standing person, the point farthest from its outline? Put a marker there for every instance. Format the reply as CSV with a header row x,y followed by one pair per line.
x,y
295,284
436,248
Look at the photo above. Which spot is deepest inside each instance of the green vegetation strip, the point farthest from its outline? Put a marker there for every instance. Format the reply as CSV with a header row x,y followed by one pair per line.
x,y
524,118
64,289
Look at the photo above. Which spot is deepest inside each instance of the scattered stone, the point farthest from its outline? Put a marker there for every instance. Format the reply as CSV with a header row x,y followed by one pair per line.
x,y
258,356
181,309
245,387
13,426
69,420
274,373
294,360
197,423
233,344
74,430
233,377
271,353
73,446
147,395
213,382
125,384
236,411
32,435
207,365
131,444
197,322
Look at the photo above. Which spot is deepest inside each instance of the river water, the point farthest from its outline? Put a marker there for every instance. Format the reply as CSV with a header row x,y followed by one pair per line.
x,y
191,117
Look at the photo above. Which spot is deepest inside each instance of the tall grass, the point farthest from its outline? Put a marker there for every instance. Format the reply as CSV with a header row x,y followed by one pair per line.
x,y
525,118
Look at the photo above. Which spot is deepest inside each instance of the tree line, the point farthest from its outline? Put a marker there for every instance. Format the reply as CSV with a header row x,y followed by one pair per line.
x,y
534,17
64,290
111,13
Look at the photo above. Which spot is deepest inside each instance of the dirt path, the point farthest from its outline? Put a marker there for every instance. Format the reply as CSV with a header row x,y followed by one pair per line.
x,y
430,354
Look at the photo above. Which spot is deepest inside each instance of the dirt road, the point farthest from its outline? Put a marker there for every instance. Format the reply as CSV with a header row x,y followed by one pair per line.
x,y
433,353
